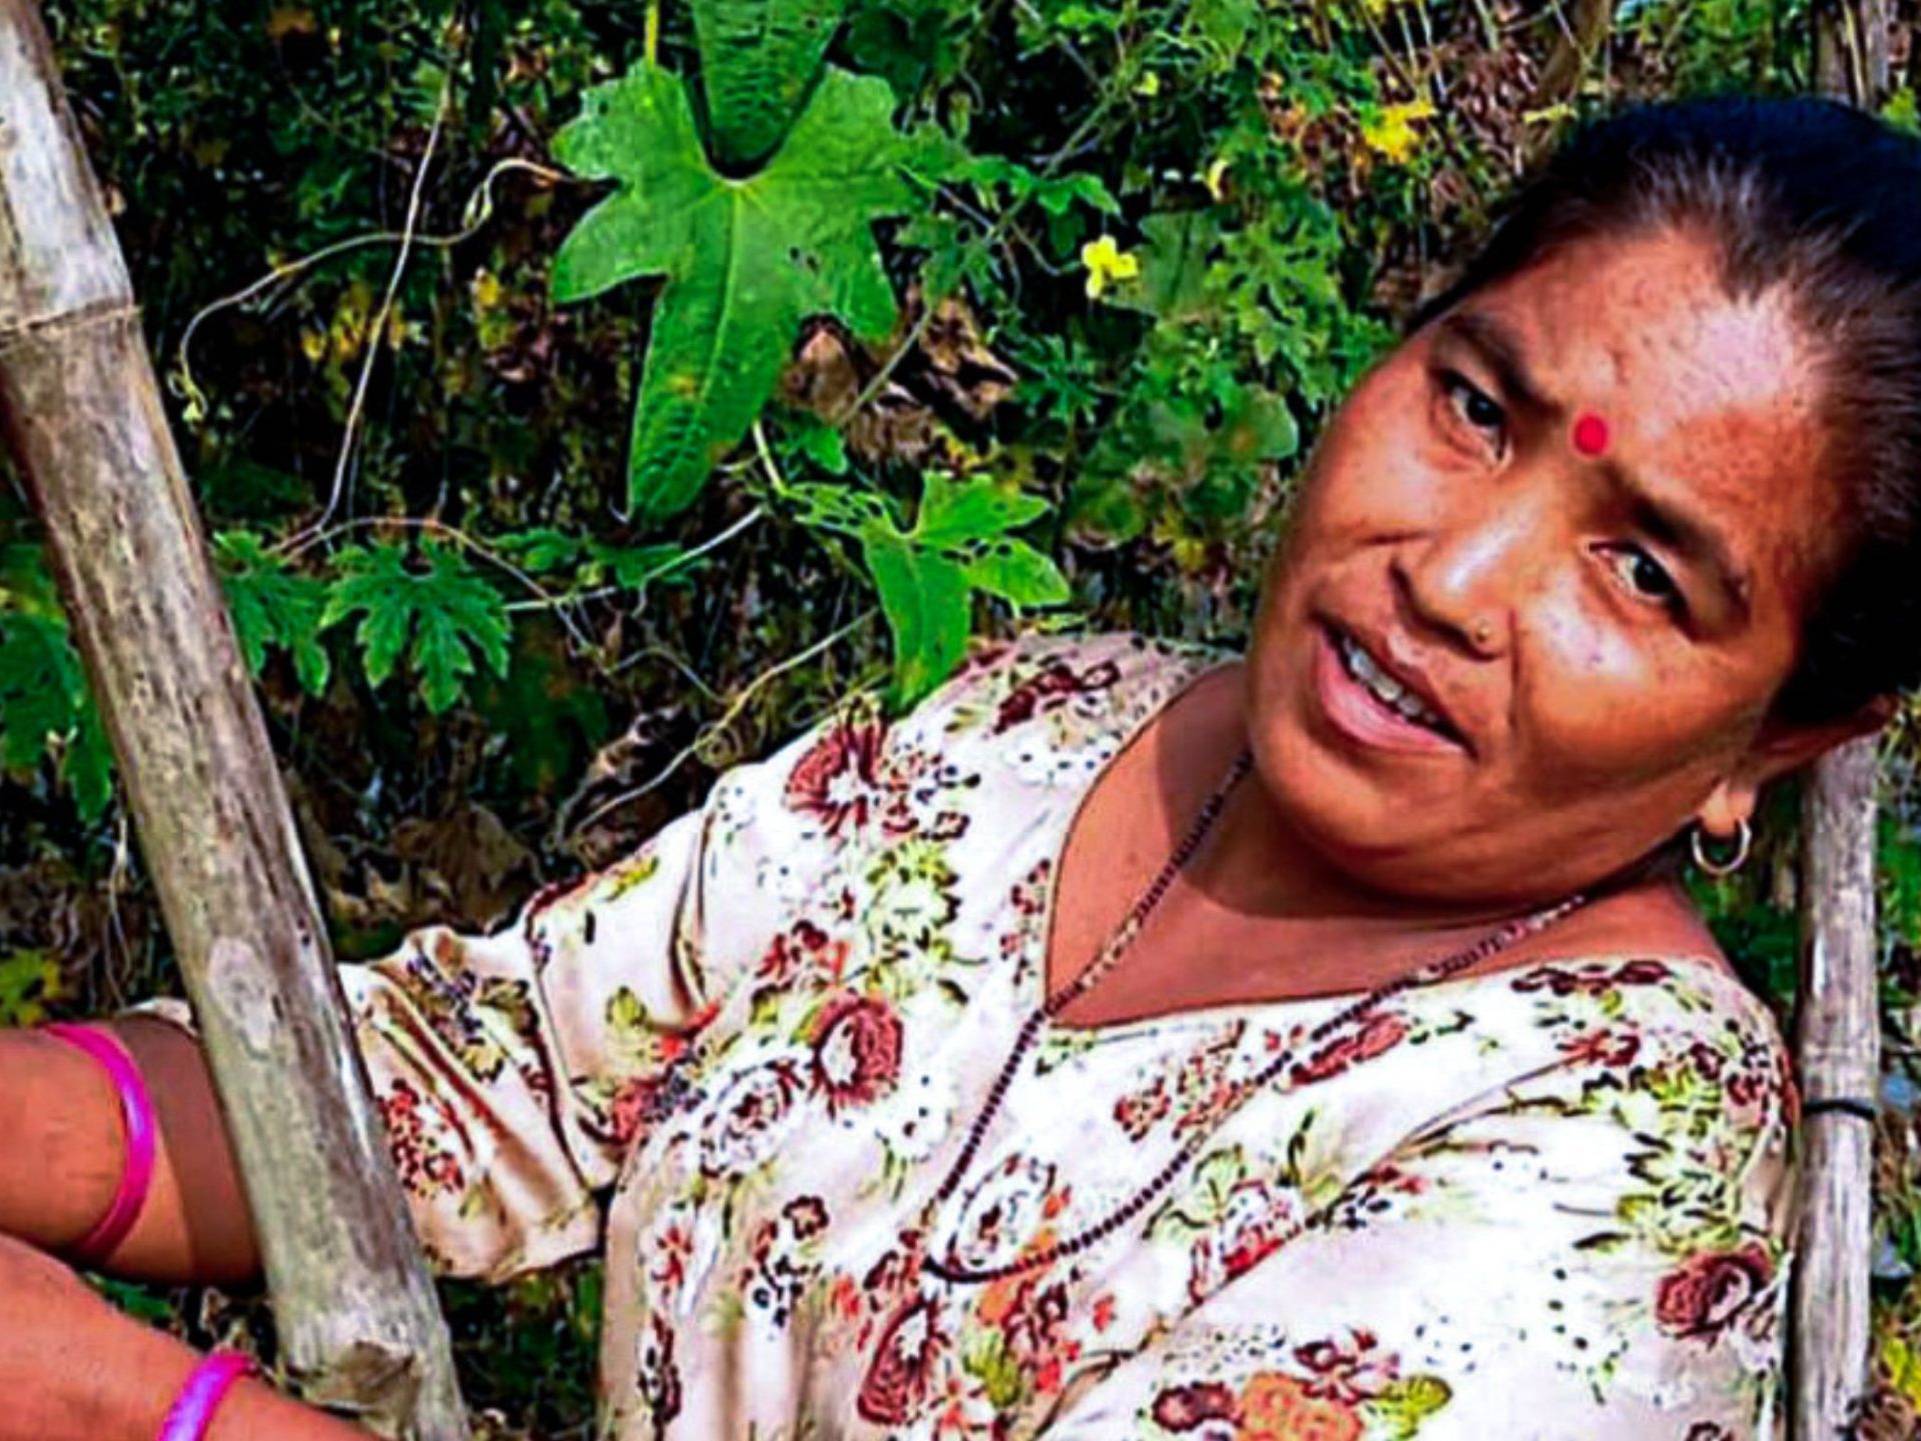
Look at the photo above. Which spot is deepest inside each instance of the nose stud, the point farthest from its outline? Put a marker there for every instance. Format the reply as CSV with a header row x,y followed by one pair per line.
x,y
1591,434
1483,632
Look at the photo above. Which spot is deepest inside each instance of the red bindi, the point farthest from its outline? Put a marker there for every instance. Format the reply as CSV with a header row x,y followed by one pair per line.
x,y
1591,434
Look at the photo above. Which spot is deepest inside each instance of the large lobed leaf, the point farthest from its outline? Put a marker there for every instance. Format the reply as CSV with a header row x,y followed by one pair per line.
x,y
745,261
961,542
441,616
272,604
46,706
757,58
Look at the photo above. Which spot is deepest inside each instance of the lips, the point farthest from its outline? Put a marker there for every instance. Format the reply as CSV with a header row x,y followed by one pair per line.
x,y
1360,710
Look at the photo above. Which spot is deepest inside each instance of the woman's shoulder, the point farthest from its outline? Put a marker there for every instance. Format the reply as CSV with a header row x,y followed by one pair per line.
x,y
1059,704
1680,1024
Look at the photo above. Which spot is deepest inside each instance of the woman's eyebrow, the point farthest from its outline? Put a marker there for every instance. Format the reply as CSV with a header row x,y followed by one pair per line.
x,y
1498,346
1670,523
1685,533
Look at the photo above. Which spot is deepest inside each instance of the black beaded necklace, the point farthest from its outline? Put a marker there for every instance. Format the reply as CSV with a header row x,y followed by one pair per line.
x,y
1116,945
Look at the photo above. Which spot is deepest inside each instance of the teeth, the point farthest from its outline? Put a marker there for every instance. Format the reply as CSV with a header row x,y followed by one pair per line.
x,y
1383,686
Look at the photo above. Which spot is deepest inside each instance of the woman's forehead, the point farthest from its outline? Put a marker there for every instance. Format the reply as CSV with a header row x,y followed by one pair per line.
x,y
1699,391
1646,325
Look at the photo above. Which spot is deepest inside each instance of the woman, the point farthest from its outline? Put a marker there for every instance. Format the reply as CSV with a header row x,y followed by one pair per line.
x,y
1135,1040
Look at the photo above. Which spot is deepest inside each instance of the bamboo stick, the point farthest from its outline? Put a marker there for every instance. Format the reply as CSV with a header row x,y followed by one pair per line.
x,y
1837,1050
1837,1022
354,1305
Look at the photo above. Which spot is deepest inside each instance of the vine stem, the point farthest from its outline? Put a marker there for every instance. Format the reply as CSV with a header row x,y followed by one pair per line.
x,y
378,330
475,215
720,723
752,517
454,533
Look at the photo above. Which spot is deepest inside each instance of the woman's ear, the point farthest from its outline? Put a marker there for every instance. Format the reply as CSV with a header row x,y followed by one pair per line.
x,y
1780,747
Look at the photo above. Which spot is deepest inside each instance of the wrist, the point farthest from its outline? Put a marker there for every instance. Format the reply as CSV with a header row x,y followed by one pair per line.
x,y
250,1410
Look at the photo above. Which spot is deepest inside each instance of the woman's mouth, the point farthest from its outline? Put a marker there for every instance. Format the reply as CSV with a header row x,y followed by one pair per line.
x,y
1369,705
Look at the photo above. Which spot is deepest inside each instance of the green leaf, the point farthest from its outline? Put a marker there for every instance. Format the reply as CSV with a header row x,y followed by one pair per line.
x,y
440,617
1175,253
924,596
745,261
1103,509
38,670
1257,425
87,765
541,549
976,509
757,60
271,604
1015,571
822,444
28,979
841,508
635,566
45,701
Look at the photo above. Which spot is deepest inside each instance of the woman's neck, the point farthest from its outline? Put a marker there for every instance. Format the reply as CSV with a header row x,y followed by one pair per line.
x,y
1259,867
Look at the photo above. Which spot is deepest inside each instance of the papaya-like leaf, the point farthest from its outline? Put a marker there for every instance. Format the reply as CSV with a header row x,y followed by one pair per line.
x,y
440,617
272,604
1015,571
924,596
960,543
977,509
745,261
757,59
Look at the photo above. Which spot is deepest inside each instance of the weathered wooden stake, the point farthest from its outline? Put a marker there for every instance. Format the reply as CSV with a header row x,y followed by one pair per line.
x,y
1837,1029
355,1308
1837,1048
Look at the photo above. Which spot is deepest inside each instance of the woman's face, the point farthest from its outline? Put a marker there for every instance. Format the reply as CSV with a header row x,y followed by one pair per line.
x,y
1580,518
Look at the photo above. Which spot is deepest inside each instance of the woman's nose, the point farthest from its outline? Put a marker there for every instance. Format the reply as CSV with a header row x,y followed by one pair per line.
x,y
1461,577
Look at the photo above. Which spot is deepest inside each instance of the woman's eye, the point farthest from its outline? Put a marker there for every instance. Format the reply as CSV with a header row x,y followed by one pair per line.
x,y
1643,574
1475,406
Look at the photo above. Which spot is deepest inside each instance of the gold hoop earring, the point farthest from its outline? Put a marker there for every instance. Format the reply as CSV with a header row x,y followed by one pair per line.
x,y
1743,843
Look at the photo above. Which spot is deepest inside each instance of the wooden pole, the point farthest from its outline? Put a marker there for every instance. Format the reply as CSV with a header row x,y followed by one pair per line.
x,y
1837,1049
1837,1021
1851,50
355,1308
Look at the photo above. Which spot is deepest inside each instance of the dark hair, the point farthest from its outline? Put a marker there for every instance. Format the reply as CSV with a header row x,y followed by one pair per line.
x,y
1824,201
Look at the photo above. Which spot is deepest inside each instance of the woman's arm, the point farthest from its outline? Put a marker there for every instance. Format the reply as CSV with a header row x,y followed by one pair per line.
x,y
74,1368
66,1148
513,1071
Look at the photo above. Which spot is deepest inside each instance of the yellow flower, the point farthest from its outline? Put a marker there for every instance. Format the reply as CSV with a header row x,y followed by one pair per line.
x,y
486,288
1216,173
1393,134
1149,84
1106,262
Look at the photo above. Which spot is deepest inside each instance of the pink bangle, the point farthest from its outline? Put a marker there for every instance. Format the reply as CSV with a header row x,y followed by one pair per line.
x,y
136,1109
192,1410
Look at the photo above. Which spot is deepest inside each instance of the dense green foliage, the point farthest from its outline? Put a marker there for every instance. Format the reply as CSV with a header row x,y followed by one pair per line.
x,y
580,395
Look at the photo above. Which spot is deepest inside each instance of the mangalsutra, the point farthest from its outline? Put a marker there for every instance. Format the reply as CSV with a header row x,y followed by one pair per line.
x,y
1103,965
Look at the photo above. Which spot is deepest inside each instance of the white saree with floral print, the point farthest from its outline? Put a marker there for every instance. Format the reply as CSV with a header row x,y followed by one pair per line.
x,y
1544,1202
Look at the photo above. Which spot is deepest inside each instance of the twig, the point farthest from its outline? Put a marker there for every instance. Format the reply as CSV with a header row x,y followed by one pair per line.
x,y
475,215
686,558
661,652
306,541
725,719
378,330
